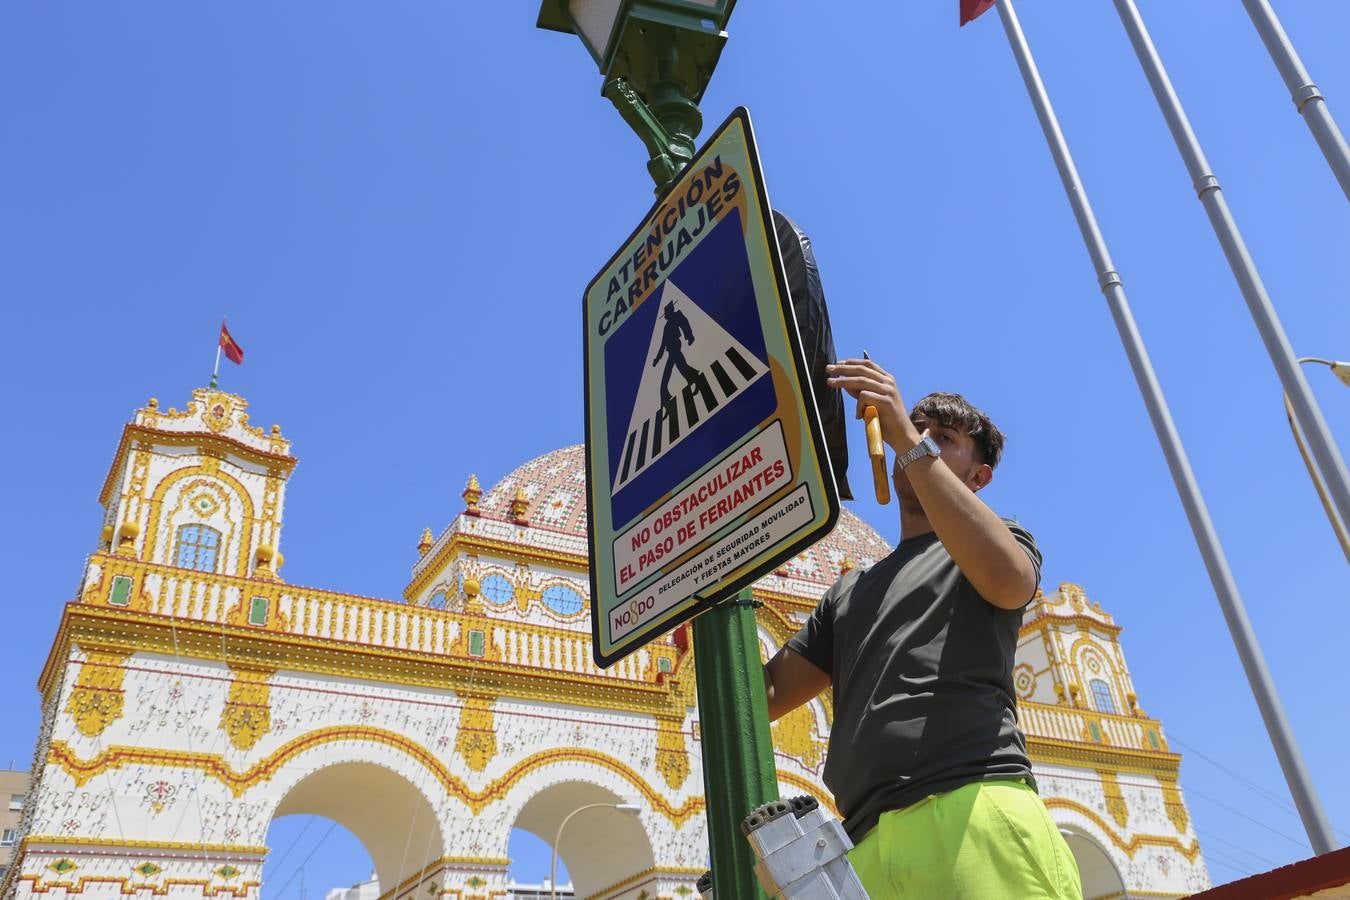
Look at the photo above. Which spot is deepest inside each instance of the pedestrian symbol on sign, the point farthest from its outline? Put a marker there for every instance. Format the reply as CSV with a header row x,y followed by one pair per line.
x,y
717,356
677,323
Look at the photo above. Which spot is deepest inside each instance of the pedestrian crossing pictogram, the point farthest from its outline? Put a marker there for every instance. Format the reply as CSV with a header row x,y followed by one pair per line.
x,y
707,368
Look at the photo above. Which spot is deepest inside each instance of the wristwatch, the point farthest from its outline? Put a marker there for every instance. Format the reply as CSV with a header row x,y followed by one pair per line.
x,y
925,447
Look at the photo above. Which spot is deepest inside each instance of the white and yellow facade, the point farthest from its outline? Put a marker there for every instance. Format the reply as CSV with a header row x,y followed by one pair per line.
x,y
192,696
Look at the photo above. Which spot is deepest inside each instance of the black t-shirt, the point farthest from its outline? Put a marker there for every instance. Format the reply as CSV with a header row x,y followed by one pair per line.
x,y
921,667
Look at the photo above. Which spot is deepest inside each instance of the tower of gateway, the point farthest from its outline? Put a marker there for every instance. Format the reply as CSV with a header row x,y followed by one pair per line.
x,y
192,696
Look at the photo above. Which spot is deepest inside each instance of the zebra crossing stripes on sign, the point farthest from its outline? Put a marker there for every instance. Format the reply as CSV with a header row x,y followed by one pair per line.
x,y
712,371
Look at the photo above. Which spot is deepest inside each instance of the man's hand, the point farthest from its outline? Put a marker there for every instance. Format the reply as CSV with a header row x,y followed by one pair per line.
x,y
657,358
871,385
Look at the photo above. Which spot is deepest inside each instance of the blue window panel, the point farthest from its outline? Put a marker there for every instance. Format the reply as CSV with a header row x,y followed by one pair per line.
x,y
437,601
1101,696
198,546
562,599
497,589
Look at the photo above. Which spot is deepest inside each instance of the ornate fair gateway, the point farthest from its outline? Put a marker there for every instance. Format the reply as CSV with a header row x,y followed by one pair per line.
x,y
191,696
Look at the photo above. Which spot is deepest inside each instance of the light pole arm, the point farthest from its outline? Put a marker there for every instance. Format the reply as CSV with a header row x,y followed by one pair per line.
x,y
553,872
1315,476
668,154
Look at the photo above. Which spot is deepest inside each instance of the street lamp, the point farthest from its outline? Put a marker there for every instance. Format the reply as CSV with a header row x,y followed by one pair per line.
x,y
626,808
657,57
1342,371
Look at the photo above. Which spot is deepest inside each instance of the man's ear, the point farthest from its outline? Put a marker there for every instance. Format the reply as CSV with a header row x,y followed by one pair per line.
x,y
981,477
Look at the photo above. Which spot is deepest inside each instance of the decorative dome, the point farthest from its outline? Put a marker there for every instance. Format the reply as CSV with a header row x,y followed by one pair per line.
x,y
555,486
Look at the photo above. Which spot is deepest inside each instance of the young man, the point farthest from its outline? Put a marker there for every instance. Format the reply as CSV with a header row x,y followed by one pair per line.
x,y
926,761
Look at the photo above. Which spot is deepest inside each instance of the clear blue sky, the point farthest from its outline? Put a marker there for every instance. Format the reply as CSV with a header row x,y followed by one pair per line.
x,y
398,205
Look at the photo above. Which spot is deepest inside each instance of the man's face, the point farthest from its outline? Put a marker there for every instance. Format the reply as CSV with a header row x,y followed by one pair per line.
x,y
958,453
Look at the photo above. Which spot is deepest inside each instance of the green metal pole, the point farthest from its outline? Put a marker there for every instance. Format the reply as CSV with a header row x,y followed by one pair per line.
x,y
733,712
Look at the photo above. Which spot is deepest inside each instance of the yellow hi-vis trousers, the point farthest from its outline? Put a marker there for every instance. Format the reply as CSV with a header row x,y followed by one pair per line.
x,y
990,840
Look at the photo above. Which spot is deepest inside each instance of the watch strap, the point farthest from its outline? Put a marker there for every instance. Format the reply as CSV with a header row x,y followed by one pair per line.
x,y
925,447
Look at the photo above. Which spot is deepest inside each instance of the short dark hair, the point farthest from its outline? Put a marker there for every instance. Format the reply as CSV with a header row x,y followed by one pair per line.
x,y
955,412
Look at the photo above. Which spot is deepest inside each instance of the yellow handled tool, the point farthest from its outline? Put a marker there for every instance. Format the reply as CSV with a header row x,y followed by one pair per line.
x,y
876,449
881,479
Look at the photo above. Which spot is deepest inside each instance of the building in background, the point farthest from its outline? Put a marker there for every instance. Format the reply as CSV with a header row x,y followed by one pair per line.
x,y
365,890
13,792
191,696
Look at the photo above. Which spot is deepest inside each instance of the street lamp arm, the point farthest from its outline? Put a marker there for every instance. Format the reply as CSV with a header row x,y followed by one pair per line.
x,y
1316,477
669,154
1342,371
557,840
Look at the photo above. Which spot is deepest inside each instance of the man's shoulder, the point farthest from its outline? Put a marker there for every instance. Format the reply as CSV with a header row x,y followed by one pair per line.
x,y
843,585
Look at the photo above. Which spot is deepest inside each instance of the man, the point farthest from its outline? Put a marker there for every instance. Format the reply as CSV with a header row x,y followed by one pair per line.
x,y
926,761
676,323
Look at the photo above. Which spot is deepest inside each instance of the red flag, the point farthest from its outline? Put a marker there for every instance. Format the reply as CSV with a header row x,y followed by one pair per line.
x,y
230,346
971,9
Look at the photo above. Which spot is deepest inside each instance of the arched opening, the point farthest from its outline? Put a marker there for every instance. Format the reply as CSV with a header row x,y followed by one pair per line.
x,y
529,875
310,856
390,817
1101,878
601,847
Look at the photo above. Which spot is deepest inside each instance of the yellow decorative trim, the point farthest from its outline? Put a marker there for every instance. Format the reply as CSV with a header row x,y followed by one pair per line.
x,y
795,735
652,871
1115,800
672,759
1083,650
798,604
1175,806
443,863
97,698
476,545
131,887
1051,751
119,843
1043,621
142,437
776,622
247,715
477,738
264,648
470,622
1133,845
245,549
215,766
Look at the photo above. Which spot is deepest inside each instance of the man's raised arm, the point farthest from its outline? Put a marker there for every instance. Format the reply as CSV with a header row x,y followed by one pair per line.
x,y
790,681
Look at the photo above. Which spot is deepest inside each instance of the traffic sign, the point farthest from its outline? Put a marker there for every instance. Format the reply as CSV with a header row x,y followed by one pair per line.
x,y
705,463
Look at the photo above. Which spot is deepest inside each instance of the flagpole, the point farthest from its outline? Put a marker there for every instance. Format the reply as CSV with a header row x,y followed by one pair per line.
x,y
1308,99
1314,426
1211,551
216,369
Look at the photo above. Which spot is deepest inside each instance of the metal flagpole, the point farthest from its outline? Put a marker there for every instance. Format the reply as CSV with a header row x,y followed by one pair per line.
x,y
1306,96
1230,601
216,369
1324,449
